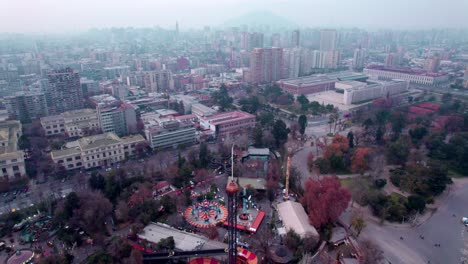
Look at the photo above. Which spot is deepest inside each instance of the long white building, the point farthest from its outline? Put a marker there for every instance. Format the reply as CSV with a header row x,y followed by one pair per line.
x,y
72,123
412,75
356,92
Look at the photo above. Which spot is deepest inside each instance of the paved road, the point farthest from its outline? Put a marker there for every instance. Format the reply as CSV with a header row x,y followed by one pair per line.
x,y
442,228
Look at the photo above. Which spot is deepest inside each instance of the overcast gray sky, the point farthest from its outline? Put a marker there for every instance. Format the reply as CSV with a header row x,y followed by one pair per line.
x,y
73,15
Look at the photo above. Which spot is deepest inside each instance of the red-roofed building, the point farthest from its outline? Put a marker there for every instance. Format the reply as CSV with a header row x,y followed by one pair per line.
x,y
228,123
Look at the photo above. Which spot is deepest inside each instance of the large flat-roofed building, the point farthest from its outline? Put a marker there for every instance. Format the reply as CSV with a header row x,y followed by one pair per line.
x,y
414,76
317,83
11,159
357,92
96,151
229,123
72,123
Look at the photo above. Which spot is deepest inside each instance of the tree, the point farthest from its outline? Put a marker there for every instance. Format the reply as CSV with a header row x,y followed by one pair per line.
x,y
350,137
222,98
416,203
397,152
360,160
201,175
258,136
398,122
324,200
280,132
266,119
371,253
310,161
121,211
302,124
97,181
304,102
142,148
358,224
418,133
250,105
203,155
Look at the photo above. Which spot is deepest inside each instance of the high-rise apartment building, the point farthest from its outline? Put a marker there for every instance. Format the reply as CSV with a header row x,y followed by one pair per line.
x,y
328,39
266,65
63,91
291,62
295,39
251,40
26,106
359,58
158,81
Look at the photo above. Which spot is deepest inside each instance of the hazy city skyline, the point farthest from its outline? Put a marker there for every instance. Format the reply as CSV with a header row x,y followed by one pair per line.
x,y
70,16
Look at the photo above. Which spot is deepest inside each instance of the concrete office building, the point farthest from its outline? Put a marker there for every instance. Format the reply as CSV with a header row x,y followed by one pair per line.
x,y
412,75
63,91
73,123
96,151
26,106
266,65
170,134
89,86
11,158
120,119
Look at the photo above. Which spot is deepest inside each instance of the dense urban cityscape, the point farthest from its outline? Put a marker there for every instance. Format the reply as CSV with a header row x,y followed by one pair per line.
x,y
249,142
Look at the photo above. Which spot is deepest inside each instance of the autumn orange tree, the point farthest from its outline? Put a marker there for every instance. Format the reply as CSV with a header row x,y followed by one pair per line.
x,y
359,161
324,200
338,146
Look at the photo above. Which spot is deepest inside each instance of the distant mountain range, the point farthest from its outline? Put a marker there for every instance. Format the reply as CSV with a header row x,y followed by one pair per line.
x,y
260,18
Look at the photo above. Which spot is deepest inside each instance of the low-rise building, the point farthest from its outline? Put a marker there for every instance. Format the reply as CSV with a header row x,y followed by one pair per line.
x,y
228,123
294,217
318,82
72,123
11,158
97,151
202,110
414,76
357,92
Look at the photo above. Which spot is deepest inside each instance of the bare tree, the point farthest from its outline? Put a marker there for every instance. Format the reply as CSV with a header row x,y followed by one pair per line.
x,y
372,254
